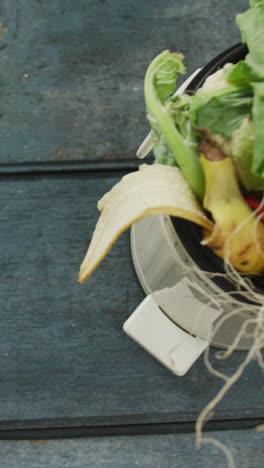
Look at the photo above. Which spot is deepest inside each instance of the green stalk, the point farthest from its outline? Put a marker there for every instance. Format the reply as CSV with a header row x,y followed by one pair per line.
x,y
161,75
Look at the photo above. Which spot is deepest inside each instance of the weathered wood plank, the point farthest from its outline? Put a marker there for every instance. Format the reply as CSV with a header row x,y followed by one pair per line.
x,y
144,451
71,73
63,353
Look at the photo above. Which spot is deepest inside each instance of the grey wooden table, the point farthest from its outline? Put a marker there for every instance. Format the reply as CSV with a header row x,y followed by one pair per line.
x,y
72,115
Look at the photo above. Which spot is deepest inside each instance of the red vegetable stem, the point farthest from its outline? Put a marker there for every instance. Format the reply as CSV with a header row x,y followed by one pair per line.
x,y
254,204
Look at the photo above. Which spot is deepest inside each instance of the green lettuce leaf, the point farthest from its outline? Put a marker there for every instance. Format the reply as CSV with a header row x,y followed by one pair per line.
x,y
242,146
251,70
242,73
254,3
258,119
221,112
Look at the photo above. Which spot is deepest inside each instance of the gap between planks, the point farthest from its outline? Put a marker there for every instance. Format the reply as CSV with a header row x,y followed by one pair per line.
x,y
69,167
70,432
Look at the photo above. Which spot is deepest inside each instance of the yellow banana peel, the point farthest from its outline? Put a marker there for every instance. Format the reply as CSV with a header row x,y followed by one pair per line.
x,y
153,189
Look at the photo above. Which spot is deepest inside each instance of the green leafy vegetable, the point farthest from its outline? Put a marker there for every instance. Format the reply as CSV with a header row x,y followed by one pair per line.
x,y
251,70
241,73
221,112
180,109
254,3
236,97
242,145
168,142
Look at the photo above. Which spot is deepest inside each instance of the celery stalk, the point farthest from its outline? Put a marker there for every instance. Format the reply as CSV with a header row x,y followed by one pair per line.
x,y
160,82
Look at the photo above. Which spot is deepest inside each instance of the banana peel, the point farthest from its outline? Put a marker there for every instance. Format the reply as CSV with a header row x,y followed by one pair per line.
x,y
153,189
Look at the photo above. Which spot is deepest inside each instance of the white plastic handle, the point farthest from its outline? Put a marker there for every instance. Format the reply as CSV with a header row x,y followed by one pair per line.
x,y
157,334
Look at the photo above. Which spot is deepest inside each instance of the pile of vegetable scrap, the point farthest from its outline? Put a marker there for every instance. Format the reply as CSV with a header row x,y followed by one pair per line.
x,y
209,157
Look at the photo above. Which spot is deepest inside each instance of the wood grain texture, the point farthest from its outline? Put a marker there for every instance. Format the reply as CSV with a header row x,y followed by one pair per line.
x,y
63,353
71,72
144,451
